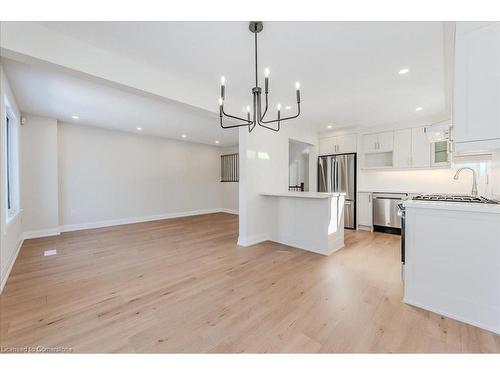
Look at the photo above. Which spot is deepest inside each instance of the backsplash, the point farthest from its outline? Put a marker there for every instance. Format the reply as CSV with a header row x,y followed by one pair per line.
x,y
429,181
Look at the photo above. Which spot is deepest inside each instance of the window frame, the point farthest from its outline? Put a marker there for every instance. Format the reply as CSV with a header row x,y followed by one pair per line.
x,y
11,175
8,163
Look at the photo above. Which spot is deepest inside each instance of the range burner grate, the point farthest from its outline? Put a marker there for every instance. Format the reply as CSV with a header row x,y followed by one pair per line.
x,y
454,198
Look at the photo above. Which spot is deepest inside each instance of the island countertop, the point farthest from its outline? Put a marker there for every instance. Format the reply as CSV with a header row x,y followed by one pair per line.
x,y
454,206
303,194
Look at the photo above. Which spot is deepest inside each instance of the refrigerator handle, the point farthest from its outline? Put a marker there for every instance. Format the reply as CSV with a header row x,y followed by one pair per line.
x,y
333,175
336,175
323,178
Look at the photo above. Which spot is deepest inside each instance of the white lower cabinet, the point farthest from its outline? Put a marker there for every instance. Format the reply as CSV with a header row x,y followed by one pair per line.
x,y
365,216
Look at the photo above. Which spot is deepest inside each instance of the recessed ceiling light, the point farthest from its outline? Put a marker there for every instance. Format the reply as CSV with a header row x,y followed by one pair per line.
x,y
216,142
418,109
184,136
75,117
404,71
329,126
139,129
288,107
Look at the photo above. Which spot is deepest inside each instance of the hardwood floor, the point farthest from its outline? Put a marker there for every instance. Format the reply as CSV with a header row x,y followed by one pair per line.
x,y
182,285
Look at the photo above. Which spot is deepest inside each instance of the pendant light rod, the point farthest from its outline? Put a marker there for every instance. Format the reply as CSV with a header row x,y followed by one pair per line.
x,y
258,117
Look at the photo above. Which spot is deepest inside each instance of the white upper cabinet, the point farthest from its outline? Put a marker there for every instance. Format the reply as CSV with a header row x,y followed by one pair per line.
x,y
369,143
337,145
476,102
378,142
385,141
412,149
346,144
420,149
402,148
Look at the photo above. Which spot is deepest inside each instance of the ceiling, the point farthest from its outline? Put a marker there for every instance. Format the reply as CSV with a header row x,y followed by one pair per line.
x,y
348,73
48,91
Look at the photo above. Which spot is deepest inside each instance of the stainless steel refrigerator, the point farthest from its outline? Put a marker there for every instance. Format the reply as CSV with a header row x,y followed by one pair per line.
x,y
337,173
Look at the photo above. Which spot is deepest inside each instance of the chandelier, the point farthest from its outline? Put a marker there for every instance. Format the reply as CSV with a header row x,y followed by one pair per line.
x,y
257,117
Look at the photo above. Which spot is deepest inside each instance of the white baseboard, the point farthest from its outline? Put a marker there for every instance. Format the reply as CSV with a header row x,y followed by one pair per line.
x,y
41,233
487,327
11,264
133,220
129,220
364,227
252,240
229,211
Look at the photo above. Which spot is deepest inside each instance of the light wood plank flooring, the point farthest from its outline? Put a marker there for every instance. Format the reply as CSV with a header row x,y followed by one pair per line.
x,y
182,285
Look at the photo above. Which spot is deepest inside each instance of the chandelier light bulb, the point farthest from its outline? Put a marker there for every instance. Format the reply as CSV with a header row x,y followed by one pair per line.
x,y
279,107
222,80
266,72
220,102
248,108
297,85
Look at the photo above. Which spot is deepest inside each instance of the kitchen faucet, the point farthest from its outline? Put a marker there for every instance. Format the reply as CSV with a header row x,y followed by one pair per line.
x,y
474,179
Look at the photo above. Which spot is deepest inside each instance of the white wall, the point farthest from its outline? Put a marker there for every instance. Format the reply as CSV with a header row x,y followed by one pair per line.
x,y
40,180
229,190
419,181
111,176
264,164
11,232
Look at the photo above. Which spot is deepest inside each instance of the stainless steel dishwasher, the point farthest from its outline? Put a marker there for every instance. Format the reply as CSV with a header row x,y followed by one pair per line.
x,y
385,212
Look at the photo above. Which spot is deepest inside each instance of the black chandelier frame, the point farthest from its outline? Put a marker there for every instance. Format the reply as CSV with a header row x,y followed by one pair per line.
x,y
258,117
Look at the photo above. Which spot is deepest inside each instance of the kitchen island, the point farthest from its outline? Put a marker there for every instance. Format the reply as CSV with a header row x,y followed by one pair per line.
x,y
452,260
307,220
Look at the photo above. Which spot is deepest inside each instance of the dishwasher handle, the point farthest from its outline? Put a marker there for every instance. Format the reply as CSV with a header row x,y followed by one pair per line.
x,y
390,196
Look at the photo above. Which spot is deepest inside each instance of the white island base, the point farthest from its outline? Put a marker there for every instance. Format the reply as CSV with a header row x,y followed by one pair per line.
x,y
308,221
452,262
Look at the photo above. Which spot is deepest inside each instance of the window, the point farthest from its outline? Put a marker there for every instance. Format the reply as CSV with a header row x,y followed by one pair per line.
x,y
229,168
11,166
8,159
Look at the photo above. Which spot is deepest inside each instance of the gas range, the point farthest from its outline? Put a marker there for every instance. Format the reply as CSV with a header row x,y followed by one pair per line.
x,y
453,198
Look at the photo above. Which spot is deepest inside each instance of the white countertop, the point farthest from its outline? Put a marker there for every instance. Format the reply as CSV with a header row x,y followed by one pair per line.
x,y
304,194
411,192
455,206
